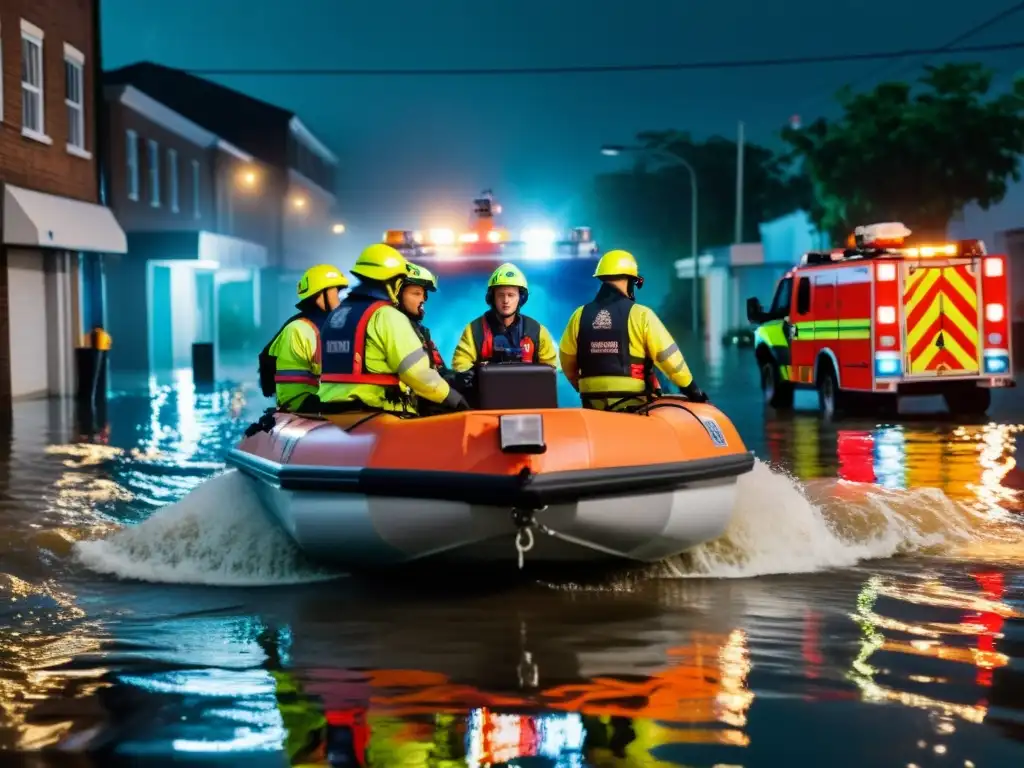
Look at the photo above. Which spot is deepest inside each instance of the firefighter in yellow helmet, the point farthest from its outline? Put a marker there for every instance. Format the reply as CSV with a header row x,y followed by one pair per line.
x,y
503,333
611,345
370,349
289,366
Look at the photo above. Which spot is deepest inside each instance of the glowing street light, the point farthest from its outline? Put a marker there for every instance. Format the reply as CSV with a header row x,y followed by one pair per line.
x,y
338,229
614,150
248,178
299,202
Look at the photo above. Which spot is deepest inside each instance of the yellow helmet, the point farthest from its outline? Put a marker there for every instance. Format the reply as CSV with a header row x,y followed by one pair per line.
x,y
417,275
320,278
508,274
379,262
617,264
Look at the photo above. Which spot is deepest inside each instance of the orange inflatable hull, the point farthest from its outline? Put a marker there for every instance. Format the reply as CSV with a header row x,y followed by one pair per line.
x,y
372,489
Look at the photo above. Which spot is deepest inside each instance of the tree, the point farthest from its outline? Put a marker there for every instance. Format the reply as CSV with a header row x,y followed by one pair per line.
x,y
647,209
919,157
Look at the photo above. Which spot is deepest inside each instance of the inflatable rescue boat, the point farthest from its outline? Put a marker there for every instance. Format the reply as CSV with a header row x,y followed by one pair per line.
x,y
520,477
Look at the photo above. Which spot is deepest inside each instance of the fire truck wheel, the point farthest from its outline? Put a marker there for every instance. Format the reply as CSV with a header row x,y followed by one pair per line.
x,y
968,401
830,398
776,393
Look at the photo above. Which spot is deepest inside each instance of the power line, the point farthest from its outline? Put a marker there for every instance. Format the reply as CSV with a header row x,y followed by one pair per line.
x,y
946,48
965,35
601,69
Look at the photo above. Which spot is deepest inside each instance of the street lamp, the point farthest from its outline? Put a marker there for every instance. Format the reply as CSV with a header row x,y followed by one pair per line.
x,y
614,150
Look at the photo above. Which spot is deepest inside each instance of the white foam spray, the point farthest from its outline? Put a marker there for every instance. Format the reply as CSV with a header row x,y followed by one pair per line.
x,y
782,526
218,534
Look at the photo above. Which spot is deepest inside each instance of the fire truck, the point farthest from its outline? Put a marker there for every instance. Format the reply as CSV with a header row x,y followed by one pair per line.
x,y
885,317
484,244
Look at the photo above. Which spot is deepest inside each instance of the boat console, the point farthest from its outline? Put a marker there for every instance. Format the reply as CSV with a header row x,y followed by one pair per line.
x,y
516,386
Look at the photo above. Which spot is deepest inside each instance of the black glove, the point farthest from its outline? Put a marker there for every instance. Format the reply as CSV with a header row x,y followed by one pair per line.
x,y
456,401
693,393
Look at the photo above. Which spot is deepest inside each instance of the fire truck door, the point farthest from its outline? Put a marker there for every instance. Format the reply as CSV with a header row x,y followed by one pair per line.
x,y
801,331
941,316
826,314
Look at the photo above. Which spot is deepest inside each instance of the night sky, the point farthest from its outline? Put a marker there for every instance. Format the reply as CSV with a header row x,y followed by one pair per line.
x,y
414,149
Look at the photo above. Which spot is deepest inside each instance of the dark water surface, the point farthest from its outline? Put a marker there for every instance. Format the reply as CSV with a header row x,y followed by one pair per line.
x,y
870,613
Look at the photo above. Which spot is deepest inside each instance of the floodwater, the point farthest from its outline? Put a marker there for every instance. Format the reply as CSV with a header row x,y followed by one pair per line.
x,y
866,608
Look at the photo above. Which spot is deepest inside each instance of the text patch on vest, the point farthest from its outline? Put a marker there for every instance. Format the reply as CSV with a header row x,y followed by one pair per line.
x,y
339,347
604,347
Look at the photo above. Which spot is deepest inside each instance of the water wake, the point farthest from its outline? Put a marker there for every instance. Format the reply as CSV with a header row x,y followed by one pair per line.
x,y
217,534
783,526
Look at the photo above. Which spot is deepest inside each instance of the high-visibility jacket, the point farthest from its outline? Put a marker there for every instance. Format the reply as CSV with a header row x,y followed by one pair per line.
x,y
295,354
609,350
487,339
369,350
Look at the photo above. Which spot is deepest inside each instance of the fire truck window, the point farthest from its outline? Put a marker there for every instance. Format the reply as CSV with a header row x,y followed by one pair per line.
x,y
803,296
783,298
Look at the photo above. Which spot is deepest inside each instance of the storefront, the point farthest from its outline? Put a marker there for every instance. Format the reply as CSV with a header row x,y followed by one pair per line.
x,y
50,246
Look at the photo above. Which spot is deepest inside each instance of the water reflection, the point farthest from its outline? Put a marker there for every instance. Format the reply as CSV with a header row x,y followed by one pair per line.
x,y
967,463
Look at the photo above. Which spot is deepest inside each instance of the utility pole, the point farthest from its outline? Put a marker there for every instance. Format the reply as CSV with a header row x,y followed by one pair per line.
x,y
739,184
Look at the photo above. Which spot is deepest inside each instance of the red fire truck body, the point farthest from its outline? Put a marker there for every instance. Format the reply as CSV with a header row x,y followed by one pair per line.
x,y
883,319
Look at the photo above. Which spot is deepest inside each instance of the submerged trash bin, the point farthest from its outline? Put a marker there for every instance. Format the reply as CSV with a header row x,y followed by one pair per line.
x,y
91,366
202,362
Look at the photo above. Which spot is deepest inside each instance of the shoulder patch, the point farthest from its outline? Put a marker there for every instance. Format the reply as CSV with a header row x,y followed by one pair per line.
x,y
339,317
602,320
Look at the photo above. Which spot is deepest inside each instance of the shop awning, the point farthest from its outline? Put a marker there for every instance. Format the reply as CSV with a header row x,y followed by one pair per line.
x,y
36,219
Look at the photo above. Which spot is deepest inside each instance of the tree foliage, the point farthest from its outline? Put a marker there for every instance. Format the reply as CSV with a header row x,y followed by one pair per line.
x,y
916,155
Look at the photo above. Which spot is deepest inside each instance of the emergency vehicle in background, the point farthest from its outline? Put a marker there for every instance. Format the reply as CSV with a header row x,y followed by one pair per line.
x,y
884,317
485,244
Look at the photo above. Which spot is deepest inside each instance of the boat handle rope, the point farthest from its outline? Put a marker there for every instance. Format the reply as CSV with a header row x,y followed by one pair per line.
x,y
526,522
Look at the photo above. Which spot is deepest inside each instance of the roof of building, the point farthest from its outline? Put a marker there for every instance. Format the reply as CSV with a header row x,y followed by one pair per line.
x,y
254,126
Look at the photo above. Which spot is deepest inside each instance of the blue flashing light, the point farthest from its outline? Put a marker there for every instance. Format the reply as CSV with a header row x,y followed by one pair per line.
x,y
888,364
997,361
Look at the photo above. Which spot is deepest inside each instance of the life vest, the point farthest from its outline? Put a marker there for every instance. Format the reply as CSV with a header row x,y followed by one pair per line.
x,y
343,343
270,377
483,337
603,347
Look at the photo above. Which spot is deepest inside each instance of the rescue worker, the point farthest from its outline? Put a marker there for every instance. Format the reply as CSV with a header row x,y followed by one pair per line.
x,y
370,349
611,345
290,364
503,333
412,298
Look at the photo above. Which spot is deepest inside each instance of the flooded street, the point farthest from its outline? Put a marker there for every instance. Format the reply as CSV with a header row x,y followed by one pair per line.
x,y
867,611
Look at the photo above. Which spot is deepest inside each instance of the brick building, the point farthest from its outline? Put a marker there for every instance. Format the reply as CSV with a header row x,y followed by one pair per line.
x,y
53,232
226,199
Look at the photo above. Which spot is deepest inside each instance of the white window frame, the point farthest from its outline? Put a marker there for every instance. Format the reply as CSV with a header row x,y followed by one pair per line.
x,y
153,149
197,211
75,59
172,178
33,35
131,144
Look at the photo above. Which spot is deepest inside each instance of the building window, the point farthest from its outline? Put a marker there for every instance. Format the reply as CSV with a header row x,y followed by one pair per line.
x,y
74,98
196,210
32,82
154,173
132,149
172,178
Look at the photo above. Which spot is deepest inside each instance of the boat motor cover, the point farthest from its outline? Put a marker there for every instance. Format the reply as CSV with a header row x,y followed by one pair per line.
x,y
516,386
